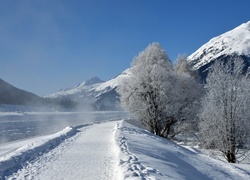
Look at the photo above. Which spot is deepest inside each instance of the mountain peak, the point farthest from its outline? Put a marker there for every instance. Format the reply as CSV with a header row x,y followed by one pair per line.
x,y
235,41
93,80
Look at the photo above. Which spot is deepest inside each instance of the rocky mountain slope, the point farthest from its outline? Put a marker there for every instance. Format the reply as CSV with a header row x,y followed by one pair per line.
x,y
234,43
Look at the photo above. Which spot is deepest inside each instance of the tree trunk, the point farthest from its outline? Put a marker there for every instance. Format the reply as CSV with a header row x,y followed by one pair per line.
x,y
165,132
231,157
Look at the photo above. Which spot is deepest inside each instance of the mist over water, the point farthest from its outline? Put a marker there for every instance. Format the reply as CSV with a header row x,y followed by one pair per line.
x,y
26,125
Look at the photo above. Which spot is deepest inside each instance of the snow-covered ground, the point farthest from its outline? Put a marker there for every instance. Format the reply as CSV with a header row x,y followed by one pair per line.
x,y
109,149
87,155
20,125
145,156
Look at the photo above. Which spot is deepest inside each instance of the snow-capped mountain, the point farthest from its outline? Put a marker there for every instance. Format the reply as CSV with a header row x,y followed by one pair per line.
x,y
78,89
232,43
102,95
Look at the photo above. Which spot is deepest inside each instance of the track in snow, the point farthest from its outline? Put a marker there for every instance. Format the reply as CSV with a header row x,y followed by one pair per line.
x,y
112,150
88,155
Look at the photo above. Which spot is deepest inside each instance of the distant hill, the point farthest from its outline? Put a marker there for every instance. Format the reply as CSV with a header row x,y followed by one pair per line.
x,y
12,95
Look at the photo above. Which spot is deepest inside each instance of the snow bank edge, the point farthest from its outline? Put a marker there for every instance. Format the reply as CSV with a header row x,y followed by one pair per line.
x,y
20,157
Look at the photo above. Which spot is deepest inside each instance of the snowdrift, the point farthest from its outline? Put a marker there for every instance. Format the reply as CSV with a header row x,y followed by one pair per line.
x,y
138,154
16,155
146,156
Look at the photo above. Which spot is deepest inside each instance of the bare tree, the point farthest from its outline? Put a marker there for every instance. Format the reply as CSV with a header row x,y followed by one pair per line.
x,y
225,113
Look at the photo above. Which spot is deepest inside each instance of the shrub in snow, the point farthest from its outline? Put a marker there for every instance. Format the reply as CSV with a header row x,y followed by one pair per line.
x,y
225,112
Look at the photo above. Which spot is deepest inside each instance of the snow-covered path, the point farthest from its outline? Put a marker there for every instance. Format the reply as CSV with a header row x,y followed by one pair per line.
x,y
83,156
110,150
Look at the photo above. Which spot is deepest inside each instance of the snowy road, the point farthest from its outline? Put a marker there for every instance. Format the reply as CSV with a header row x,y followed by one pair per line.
x,y
83,156
110,150
19,126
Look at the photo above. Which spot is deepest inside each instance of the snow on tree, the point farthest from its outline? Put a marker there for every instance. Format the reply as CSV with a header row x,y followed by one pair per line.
x,y
188,93
183,66
155,94
225,123
144,93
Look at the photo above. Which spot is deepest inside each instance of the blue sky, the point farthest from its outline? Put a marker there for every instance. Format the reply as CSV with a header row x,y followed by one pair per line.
x,y
46,45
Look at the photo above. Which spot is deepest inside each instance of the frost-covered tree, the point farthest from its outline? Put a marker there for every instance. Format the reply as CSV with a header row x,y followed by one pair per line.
x,y
188,93
183,66
155,94
144,92
225,123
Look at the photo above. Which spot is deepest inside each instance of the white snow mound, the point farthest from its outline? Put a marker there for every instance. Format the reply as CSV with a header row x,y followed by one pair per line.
x,y
146,156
